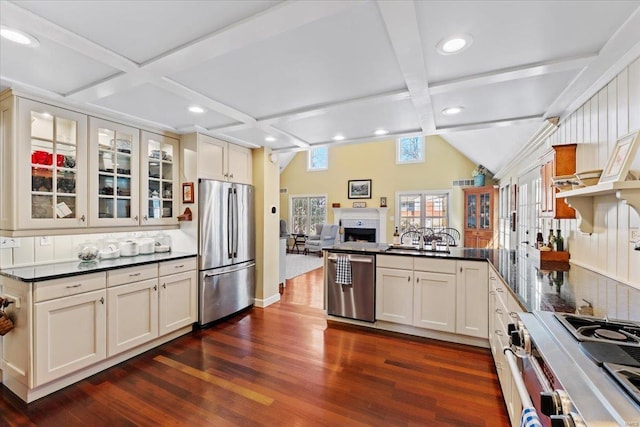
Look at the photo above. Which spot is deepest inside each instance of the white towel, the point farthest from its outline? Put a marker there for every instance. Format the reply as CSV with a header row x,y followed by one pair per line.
x,y
529,418
343,270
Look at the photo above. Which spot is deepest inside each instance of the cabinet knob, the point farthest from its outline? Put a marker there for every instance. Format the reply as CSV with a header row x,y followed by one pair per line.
x,y
82,218
102,300
231,176
146,218
155,287
408,278
417,280
135,218
164,286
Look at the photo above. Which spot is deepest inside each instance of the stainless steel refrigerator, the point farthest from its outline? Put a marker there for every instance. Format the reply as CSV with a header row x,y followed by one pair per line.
x,y
226,241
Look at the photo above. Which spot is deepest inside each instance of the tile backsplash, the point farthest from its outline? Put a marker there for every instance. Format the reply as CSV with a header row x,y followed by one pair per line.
x,y
48,249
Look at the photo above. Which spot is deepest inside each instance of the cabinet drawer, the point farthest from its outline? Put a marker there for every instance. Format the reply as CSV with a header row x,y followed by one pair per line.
x,y
399,262
177,266
57,288
435,265
132,274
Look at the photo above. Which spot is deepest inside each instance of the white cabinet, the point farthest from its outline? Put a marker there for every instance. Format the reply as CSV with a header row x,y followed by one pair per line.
x,y
69,330
133,315
472,316
177,301
44,155
159,186
434,301
394,295
220,160
114,173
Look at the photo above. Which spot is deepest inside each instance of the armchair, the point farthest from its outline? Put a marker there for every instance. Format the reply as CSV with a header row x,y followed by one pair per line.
x,y
325,236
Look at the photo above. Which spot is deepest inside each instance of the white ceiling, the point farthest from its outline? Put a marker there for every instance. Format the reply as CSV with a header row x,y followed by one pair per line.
x,y
304,71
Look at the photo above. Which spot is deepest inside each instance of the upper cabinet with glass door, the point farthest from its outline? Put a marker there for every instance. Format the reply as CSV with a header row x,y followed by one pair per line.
x,y
159,179
114,171
51,171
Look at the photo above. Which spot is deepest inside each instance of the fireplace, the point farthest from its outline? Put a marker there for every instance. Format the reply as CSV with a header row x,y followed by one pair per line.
x,y
359,234
370,224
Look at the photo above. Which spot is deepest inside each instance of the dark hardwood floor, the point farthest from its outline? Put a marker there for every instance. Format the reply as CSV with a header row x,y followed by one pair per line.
x,y
281,366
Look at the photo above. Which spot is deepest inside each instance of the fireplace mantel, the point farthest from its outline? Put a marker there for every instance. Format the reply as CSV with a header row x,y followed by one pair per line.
x,y
365,214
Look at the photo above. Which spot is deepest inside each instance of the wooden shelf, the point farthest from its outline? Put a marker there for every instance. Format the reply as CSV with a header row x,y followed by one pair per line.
x,y
582,199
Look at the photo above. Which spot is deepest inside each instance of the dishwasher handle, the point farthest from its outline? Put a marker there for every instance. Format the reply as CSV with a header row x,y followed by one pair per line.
x,y
352,258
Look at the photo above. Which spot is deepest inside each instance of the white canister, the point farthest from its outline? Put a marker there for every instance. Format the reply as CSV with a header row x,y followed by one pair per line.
x,y
146,245
129,248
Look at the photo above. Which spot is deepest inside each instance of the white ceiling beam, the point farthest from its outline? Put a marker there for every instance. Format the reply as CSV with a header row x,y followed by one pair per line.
x,y
35,24
491,124
276,20
516,73
402,27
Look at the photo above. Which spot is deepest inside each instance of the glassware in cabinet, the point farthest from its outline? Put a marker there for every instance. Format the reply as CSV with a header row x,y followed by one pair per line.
x,y
159,179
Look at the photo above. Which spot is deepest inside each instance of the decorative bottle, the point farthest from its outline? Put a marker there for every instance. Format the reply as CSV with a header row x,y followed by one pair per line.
x,y
551,239
559,241
396,237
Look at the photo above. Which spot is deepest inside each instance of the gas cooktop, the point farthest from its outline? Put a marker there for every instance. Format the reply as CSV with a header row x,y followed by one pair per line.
x,y
594,329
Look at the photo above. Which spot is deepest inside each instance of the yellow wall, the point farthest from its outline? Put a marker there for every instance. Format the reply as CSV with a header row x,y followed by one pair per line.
x,y
377,161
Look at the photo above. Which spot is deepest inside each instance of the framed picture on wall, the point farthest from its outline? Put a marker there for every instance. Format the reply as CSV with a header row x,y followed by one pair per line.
x,y
359,189
187,192
621,158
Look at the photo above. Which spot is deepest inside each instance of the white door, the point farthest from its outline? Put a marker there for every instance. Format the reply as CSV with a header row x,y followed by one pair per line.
x,y
178,301
133,315
212,158
472,295
394,295
70,334
434,301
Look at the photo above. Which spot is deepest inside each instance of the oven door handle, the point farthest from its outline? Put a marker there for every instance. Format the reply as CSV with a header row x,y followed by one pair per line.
x,y
517,378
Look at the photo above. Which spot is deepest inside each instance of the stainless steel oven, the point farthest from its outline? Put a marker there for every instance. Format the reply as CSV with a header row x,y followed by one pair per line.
x,y
557,378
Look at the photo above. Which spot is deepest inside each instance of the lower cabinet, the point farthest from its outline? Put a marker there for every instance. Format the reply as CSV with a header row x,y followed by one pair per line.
x,y
502,311
177,301
70,334
472,299
437,294
434,299
394,295
133,315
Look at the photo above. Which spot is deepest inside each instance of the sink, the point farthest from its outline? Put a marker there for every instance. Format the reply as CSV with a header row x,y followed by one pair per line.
x,y
415,250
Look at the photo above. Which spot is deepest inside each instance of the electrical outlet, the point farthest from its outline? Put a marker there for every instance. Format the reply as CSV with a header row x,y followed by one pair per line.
x,y
45,241
8,242
634,235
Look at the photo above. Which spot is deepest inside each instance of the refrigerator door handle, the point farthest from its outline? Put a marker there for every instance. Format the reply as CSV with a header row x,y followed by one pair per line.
x,y
230,223
235,223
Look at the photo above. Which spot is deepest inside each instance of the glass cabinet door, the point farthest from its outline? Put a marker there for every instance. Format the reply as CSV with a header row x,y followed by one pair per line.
x,y
485,211
472,209
53,139
114,173
159,179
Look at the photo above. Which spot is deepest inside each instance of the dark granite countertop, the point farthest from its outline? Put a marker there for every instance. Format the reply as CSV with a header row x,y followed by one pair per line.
x,y
550,287
36,273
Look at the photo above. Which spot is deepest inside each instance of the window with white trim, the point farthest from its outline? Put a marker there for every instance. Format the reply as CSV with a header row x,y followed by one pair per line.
x,y
318,159
423,209
306,212
410,149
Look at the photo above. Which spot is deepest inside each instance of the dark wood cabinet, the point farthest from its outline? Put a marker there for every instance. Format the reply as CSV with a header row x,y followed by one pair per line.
x,y
480,215
560,160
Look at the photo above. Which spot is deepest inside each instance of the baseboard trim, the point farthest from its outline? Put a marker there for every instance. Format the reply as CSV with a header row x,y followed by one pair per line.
x,y
262,303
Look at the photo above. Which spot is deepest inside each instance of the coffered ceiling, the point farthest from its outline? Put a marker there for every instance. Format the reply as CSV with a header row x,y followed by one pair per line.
x,y
303,72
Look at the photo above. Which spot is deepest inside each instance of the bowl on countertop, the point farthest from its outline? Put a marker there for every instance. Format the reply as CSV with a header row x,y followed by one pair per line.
x,y
588,178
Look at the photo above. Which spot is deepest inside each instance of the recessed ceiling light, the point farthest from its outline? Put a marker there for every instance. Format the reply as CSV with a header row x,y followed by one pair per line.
x,y
381,132
270,139
18,36
454,44
196,109
450,111
338,137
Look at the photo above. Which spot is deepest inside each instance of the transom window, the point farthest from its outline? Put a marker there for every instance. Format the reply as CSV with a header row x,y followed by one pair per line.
x,y
410,149
318,159
306,213
423,209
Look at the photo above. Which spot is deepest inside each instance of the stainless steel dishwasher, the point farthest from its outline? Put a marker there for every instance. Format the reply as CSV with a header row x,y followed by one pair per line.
x,y
357,300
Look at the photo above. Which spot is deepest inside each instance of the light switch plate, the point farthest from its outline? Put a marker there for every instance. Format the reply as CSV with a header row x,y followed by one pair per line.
x,y
634,234
9,242
45,241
